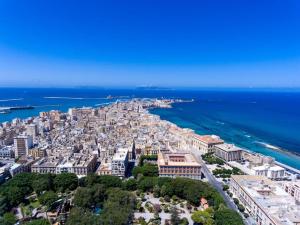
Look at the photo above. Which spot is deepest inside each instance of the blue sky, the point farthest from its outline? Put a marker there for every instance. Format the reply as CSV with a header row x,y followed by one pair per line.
x,y
250,43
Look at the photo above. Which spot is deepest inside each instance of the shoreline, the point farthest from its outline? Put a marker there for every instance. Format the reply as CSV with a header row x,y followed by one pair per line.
x,y
274,149
168,104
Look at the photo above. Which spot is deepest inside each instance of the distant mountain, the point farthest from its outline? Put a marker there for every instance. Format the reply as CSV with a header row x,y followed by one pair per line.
x,y
155,88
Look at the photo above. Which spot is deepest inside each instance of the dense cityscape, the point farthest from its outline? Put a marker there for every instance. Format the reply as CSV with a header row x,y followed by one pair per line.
x,y
90,164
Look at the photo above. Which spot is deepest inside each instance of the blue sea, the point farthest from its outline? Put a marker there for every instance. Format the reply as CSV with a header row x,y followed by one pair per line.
x,y
264,121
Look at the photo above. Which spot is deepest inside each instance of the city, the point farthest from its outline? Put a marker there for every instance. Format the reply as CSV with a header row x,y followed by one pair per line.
x,y
125,141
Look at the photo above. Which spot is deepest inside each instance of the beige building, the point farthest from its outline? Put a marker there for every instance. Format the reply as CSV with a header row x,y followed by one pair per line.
x,y
179,165
104,169
22,144
265,200
206,143
228,152
37,152
79,165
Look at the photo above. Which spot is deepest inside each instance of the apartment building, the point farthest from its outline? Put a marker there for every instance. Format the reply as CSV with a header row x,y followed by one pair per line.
x,y
293,188
265,200
206,143
120,162
228,152
178,165
271,172
22,144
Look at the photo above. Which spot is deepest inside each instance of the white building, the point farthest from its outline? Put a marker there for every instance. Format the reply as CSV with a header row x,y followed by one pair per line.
x,y
120,162
15,169
265,200
271,172
7,152
293,188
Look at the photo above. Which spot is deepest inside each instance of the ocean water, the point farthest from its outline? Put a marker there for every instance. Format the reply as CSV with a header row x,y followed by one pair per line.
x,y
263,121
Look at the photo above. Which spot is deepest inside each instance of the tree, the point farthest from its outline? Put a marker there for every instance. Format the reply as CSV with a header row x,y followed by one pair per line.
x,y
119,201
99,194
130,185
65,181
15,195
91,179
203,217
147,183
8,219
4,205
148,170
38,222
80,216
43,182
84,198
227,216
225,187
48,198
109,181
156,191
184,221
175,219
17,188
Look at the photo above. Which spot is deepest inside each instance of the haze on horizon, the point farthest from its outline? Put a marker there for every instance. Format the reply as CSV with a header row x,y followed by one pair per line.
x,y
161,43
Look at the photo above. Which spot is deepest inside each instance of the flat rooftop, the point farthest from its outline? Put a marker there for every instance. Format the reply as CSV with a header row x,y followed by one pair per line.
x,y
228,147
269,195
121,154
177,159
209,139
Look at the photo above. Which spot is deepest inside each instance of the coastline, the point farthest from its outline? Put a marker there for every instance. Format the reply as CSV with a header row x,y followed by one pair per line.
x,y
282,153
198,115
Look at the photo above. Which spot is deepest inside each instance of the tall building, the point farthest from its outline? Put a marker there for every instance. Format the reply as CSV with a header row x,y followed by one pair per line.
x,y
228,152
265,200
22,144
178,165
120,162
32,130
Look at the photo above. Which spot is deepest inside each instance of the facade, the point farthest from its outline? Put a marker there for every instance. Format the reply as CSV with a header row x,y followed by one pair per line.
x,y
104,169
22,144
37,152
119,162
32,130
178,165
79,165
228,152
293,188
16,169
265,200
206,143
7,152
271,172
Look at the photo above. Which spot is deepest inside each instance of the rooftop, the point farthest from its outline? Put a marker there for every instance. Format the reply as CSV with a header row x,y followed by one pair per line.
x,y
209,139
269,195
177,159
228,147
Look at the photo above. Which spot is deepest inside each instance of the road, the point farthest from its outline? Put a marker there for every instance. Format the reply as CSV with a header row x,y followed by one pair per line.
x,y
218,186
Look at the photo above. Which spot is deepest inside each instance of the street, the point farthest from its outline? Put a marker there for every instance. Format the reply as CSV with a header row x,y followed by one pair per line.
x,y
218,186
